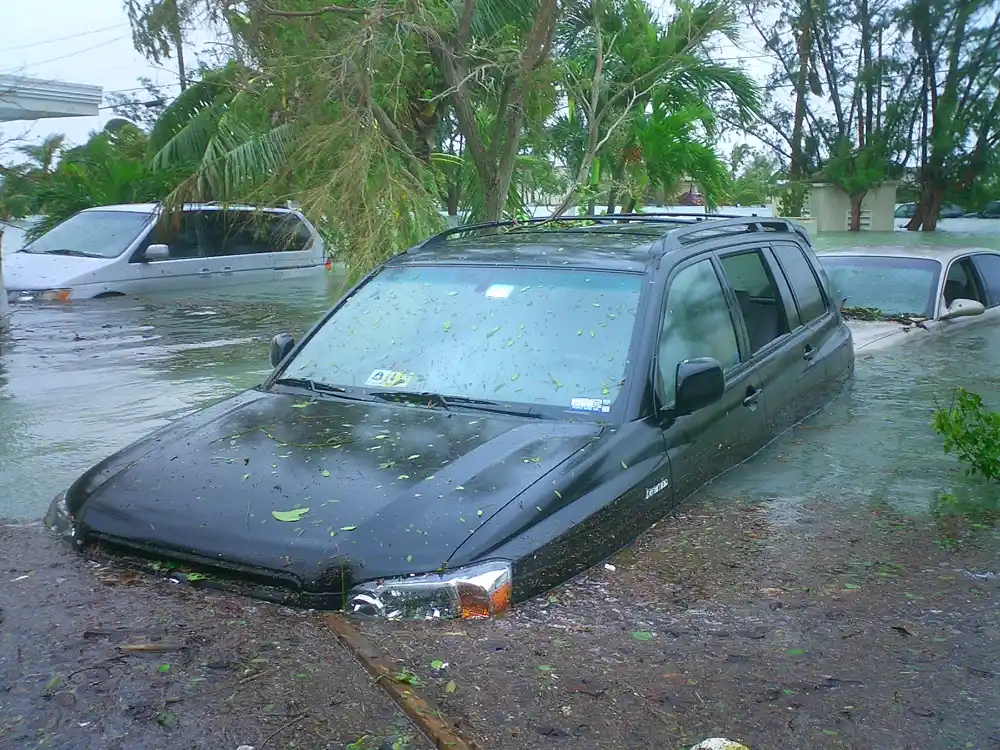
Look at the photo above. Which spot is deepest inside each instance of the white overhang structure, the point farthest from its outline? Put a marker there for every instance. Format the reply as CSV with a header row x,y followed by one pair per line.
x,y
24,98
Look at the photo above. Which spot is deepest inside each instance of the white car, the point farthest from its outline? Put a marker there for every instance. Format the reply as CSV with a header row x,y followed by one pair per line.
x,y
137,249
892,294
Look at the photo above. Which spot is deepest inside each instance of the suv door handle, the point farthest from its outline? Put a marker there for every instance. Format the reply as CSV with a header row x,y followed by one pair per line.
x,y
204,271
227,270
809,352
753,395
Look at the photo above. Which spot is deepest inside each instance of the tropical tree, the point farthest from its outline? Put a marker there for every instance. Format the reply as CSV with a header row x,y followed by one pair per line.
x,y
43,155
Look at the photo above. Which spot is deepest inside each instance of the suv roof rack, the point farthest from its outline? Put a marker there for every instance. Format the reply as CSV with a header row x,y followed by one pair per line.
x,y
686,227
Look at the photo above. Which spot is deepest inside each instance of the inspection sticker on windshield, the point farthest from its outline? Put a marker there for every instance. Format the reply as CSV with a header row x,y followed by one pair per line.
x,y
591,404
389,379
500,291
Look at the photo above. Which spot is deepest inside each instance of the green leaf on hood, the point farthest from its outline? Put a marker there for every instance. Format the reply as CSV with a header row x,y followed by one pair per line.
x,y
289,516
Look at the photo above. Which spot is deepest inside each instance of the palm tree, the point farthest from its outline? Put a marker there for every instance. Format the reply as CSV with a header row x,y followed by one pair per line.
x,y
44,154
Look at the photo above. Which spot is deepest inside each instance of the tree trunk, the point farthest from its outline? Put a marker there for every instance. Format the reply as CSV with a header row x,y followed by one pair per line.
x,y
616,176
453,196
926,215
856,211
630,208
795,167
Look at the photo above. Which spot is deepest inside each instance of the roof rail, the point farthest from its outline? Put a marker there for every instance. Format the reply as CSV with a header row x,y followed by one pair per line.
x,y
748,224
652,217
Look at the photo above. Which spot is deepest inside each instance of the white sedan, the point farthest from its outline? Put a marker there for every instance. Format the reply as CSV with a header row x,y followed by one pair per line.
x,y
893,294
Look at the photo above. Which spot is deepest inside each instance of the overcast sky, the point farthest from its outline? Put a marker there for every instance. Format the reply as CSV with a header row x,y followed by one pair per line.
x,y
89,42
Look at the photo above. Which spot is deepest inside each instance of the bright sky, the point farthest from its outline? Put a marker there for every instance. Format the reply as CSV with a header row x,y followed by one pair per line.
x,y
89,42
76,41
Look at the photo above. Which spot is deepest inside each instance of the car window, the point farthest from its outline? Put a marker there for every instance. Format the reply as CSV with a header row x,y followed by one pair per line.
x,y
181,232
288,233
757,294
992,210
802,279
697,322
988,266
892,285
232,232
555,337
906,211
95,234
961,283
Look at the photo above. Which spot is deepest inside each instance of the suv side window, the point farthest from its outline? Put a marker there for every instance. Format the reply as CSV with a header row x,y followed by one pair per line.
x,y
181,233
760,304
801,275
235,233
696,323
961,283
988,265
288,233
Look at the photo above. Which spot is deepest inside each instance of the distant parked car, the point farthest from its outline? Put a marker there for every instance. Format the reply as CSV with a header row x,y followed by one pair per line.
x,y
135,249
890,295
485,415
947,211
989,211
691,198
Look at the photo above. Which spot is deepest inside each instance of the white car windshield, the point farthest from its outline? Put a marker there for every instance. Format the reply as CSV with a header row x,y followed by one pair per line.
x,y
894,286
92,234
554,337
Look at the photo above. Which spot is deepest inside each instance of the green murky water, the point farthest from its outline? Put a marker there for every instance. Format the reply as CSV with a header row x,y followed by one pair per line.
x,y
78,382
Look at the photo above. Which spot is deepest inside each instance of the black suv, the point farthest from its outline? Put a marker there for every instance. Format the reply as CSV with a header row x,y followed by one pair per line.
x,y
485,415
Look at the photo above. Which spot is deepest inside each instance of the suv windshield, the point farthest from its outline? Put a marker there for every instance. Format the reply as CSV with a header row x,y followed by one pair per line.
x,y
556,337
92,234
893,286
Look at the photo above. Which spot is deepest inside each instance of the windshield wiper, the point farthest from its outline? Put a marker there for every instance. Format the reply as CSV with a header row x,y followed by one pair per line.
x,y
67,251
429,398
317,387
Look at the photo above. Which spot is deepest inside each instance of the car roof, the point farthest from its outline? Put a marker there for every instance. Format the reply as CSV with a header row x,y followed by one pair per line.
x,y
611,244
608,248
147,208
943,254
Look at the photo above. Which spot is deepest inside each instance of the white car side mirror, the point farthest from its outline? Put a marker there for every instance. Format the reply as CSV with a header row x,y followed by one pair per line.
x,y
963,308
156,252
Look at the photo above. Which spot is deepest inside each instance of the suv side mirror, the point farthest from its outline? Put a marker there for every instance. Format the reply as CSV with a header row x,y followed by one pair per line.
x,y
963,308
156,252
281,346
700,382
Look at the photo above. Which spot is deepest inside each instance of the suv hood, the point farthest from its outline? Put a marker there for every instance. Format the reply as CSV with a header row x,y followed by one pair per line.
x,y
390,489
36,271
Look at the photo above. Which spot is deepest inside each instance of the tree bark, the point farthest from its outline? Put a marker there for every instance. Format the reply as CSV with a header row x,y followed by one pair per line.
x,y
856,199
795,168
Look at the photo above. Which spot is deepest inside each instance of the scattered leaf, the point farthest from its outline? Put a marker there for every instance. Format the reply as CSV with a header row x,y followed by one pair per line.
x,y
289,516
851,586
196,576
437,664
326,472
558,494
447,325
642,635
409,558
544,668
796,651
246,477
163,668
348,528
515,376
479,512
451,687
403,476
624,465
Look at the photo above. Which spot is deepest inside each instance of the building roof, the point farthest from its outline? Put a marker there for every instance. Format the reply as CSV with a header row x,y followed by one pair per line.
x,y
24,98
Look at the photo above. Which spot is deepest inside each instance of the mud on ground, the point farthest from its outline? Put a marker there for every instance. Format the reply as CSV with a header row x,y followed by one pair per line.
x,y
849,628
814,628
95,657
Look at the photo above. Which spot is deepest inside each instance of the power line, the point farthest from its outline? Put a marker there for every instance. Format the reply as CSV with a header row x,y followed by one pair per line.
x,y
77,52
61,38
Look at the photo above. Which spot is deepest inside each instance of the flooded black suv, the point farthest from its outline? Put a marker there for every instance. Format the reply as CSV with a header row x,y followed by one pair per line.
x,y
484,416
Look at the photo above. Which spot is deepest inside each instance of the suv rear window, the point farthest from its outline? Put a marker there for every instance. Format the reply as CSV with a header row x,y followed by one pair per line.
x,y
802,279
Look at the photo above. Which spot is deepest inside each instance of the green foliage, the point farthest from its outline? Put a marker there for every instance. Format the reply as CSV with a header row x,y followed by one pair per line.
x,y
110,168
972,433
792,199
857,170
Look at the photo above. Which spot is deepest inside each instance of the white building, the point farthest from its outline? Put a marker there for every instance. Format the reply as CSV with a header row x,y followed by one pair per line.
x,y
35,99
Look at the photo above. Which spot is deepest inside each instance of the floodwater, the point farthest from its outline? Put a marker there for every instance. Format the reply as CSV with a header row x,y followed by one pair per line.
x,y
80,381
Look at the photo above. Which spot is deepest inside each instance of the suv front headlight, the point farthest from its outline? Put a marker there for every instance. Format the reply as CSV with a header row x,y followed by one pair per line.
x,y
476,591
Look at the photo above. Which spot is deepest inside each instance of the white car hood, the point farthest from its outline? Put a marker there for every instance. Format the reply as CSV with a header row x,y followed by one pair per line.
x,y
872,334
35,271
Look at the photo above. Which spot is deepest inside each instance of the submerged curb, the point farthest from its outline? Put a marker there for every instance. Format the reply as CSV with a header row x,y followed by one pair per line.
x,y
423,713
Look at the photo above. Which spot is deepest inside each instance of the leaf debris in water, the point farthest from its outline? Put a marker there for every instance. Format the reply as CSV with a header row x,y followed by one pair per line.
x,y
348,528
289,516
